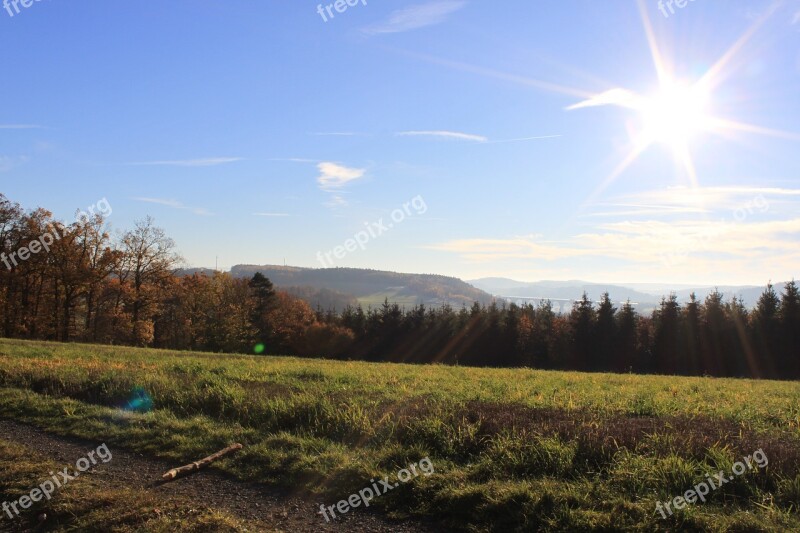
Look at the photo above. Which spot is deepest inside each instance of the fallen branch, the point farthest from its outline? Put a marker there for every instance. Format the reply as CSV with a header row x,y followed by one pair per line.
x,y
198,465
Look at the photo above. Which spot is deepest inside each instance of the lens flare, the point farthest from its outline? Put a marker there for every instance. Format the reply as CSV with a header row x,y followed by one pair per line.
x,y
140,401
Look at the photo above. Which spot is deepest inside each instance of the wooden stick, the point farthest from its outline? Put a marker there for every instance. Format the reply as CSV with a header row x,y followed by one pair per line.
x,y
197,465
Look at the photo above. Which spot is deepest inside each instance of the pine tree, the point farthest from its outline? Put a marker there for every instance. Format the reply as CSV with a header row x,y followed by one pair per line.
x,y
605,334
582,320
690,336
626,345
765,330
666,346
790,331
263,300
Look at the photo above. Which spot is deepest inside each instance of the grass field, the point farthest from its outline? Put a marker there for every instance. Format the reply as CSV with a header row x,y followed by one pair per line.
x,y
512,449
394,296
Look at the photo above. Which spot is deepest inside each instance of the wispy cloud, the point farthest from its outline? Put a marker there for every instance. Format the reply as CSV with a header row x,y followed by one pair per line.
x,y
489,250
523,139
629,210
174,204
708,198
336,200
618,97
334,176
457,135
442,134
414,17
207,162
294,160
20,127
796,18
9,162
676,233
643,242
725,201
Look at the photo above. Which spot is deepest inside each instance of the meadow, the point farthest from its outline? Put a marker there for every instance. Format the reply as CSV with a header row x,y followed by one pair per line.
x,y
513,449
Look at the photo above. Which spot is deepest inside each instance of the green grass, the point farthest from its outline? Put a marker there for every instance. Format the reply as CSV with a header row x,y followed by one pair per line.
x,y
513,449
395,296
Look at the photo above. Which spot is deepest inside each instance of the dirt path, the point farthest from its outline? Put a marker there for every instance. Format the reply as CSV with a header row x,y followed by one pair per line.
x,y
208,488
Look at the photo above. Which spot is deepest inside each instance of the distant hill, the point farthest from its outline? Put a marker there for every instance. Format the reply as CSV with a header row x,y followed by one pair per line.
x,y
192,271
369,287
748,294
322,298
558,290
563,293
647,297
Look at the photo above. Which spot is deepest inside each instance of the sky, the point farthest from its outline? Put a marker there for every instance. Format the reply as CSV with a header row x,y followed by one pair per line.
x,y
604,141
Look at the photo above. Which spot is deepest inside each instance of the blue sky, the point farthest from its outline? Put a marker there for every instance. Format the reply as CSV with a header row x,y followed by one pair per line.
x,y
260,133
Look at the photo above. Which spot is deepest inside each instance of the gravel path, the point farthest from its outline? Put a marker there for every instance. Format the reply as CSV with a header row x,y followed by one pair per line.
x,y
208,488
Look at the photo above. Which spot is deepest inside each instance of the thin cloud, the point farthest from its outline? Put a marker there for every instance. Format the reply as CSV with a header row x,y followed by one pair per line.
x,y
708,198
20,127
665,231
174,204
523,139
208,162
334,176
337,201
444,135
628,210
491,250
457,135
414,17
645,243
618,97
8,162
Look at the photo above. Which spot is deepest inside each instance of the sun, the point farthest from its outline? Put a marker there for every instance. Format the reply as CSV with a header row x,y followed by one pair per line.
x,y
675,115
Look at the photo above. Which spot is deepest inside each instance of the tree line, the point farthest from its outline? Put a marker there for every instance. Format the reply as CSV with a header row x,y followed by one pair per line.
x,y
712,337
126,289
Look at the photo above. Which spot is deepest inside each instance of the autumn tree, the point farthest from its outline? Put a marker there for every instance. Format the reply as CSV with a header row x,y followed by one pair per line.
x,y
149,259
288,320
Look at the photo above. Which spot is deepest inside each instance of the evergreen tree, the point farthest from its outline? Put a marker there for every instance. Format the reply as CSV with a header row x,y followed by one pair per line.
x,y
790,331
263,301
582,322
765,330
690,337
625,357
605,334
712,334
666,322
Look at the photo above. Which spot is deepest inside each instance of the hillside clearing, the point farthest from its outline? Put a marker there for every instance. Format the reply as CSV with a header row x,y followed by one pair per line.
x,y
513,449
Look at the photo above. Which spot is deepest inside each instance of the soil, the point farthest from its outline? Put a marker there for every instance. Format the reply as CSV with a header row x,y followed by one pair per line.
x,y
265,506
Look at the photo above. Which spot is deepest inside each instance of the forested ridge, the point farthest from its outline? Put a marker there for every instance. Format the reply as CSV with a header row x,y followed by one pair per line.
x,y
90,287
